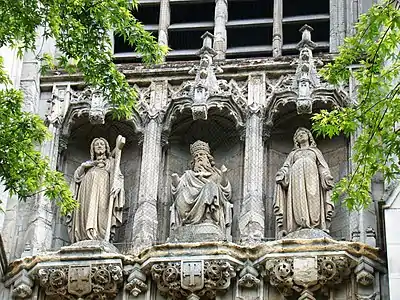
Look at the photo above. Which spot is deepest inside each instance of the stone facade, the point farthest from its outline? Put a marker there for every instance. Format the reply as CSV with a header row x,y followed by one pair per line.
x,y
247,110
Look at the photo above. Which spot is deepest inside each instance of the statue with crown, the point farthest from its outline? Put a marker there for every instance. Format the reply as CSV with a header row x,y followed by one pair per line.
x,y
201,208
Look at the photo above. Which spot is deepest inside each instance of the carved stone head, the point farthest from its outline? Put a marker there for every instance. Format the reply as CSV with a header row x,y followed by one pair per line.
x,y
99,146
298,135
202,158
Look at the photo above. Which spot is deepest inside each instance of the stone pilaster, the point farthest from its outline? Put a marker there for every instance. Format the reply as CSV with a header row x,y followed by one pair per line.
x,y
163,23
277,29
221,17
144,232
251,222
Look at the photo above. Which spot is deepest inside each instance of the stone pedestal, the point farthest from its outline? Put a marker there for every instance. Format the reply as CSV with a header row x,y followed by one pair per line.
x,y
205,232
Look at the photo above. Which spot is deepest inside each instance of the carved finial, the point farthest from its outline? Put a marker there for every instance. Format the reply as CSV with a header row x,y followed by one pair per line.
x,y
306,38
207,47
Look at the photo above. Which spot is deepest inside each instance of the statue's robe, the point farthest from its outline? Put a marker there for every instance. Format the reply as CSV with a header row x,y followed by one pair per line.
x,y
92,191
303,197
201,199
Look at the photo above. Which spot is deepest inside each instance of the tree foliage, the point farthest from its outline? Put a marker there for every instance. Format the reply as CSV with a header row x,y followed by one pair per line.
x,y
81,30
373,118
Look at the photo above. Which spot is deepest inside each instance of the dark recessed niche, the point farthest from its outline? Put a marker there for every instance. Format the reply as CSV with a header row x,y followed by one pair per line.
x,y
249,36
192,12
250,9
183,58
187,39
305,7
291,34
148,14
247,55
120,46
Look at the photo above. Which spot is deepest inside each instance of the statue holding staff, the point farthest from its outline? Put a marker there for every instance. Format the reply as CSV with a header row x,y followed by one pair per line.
x,y
99,190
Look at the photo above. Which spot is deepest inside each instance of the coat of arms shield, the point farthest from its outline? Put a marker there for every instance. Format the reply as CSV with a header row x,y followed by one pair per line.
x,y
79,280
192,275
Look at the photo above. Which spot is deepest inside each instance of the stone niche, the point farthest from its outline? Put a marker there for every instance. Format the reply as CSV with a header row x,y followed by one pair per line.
x,y
277,148
77,151
223,136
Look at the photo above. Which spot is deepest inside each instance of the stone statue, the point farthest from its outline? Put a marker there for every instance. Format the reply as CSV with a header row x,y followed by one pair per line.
x,y
99,190
303,188
202,195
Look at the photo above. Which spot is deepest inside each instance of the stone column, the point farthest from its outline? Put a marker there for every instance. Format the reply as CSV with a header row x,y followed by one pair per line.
x,y
144,232
277,29
337,24
252,219
163,23
220,19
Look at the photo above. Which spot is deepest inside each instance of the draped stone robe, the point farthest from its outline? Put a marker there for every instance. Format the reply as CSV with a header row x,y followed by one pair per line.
x,y
302,198
92,191
201,199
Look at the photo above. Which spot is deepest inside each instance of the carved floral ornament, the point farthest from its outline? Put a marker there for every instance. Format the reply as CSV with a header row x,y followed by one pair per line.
x,y
299,274
85,281
304,88
306,275
182,279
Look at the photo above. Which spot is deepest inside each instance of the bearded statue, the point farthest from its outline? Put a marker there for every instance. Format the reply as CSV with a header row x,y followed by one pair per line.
x,y
201,196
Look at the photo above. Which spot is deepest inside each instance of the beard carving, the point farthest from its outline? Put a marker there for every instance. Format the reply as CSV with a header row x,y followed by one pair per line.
x,y
202,165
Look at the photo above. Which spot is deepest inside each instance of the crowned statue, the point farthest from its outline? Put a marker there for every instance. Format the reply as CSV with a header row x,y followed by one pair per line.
x,y
303,188
201,196
99,190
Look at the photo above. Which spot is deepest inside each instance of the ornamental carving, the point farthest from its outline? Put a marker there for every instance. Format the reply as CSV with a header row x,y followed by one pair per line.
x,y
81,282
248,276
306,275
199,278
136,281
206,90
304,87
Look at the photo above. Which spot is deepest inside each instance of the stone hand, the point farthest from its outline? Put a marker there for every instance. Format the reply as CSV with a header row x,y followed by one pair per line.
x,y
279,176
88,164
224,169
329,181
115,190
175,179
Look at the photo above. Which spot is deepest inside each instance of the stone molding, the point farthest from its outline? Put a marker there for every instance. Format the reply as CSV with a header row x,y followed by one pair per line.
x,y
296,266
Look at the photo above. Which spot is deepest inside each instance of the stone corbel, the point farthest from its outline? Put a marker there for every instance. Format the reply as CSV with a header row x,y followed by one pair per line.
x,y
136,283
58,104
365,272
192,279
248,276
22,285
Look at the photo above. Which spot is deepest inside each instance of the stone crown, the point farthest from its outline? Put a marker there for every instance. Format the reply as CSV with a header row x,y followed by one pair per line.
x,y
198,146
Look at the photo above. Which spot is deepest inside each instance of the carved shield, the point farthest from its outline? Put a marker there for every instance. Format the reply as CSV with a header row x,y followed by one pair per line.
x,y
79,280
305,271
192,275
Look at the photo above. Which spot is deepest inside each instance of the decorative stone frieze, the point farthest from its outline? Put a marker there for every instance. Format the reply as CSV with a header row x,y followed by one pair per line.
x,y
76,281
307,274
303,268
180,279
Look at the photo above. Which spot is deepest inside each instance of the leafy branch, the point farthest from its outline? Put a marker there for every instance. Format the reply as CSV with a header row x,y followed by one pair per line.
x,y
372,119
